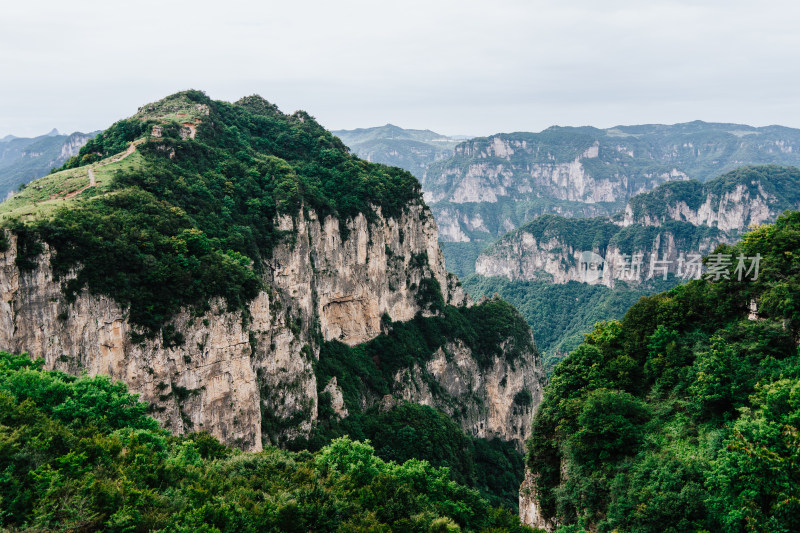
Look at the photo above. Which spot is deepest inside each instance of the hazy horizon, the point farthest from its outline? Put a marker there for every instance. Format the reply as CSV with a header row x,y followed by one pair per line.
x,y
457,68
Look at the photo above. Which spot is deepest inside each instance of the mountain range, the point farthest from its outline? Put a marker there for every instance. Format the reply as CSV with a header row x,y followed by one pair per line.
x,y
216,317
490,185
412,150
658,194
24,159
253,282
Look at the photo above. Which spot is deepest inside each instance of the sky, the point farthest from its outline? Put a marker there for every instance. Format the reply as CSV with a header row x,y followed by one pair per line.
x,y
456,67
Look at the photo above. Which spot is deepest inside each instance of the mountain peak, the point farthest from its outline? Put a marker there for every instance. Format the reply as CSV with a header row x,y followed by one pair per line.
x,y
258,105
179,106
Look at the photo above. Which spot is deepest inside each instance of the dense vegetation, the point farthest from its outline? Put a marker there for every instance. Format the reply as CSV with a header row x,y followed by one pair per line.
x,y
79,454
491,329
560,315
196,219
684,415
578,233
410,431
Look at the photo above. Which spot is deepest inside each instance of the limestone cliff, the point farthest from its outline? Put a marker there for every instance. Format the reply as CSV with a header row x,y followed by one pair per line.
x,y
660,231
231,372
498,402
251,379
539,251
733,202
507,179
219,257
529,506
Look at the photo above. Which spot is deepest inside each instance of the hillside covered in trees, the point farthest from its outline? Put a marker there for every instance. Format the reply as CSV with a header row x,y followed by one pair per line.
x,y
80,454
203,187
684,415
195,251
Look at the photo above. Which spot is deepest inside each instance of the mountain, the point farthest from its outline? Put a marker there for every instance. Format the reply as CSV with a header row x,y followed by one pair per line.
x,y
25,159
676,218
747,196
566,274
495,184
245,275
684,415
412,150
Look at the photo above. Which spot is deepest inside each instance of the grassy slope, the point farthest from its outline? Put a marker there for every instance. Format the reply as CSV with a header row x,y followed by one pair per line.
x,y
40,198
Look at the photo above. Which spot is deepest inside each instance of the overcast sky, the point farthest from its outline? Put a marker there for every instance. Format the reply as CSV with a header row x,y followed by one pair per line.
x,y
457,67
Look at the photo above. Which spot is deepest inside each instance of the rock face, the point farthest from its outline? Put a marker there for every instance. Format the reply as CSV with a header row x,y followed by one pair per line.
x,y
71,146
494,166
486,402
634,254
494,184
663,231
528,505
337,398
731,203
250,378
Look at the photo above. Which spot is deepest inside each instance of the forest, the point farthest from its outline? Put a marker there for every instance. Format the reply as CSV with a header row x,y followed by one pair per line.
x,y
81,454
196,220
683,415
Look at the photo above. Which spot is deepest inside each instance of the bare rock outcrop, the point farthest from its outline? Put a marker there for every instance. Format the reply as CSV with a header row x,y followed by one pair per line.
x,y
248,378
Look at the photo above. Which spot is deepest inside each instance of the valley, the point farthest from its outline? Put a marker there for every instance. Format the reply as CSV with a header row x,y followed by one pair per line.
x,y
265,295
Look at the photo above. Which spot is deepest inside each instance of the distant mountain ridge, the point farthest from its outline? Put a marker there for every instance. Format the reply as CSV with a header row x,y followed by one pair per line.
x,y
25,159
494,184
409,149
675,218
741,198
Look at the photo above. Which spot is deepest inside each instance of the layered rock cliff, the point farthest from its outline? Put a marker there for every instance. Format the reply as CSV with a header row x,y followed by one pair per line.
x,y
494,402
663,231
595,251
733,202
529,508
495,184
228,372
248,373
